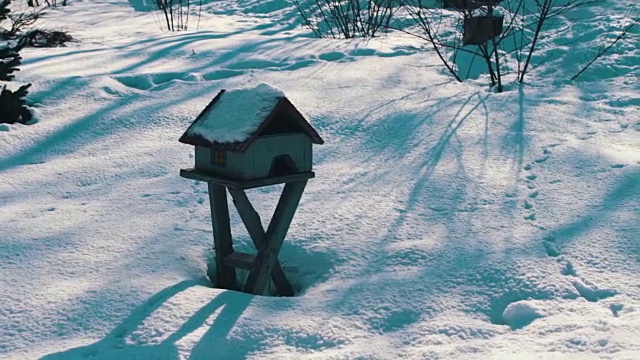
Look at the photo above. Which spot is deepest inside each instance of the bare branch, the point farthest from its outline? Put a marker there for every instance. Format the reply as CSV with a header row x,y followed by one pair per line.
x,y
623,33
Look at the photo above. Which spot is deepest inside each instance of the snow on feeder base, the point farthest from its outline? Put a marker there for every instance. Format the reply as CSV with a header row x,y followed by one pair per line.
x,y
249,138
480,29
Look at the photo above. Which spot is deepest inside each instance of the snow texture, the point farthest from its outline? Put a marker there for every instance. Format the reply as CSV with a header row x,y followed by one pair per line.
x,y
237,114
445,221
520,314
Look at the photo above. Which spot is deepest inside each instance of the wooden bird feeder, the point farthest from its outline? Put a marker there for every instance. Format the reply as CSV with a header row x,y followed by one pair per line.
x,y
249,138
480,29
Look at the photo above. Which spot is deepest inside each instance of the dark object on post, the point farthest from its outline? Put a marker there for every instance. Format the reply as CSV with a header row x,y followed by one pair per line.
x,y
245,139
478,30
468,4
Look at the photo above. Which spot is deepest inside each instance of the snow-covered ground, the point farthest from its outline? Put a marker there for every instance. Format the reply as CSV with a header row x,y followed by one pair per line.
x,y
445,221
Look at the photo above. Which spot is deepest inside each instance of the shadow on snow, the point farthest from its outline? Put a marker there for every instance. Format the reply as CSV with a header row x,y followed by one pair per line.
x,y
116,346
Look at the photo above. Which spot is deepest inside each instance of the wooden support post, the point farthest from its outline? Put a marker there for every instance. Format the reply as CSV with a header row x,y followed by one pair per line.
x,y
225,275
251,220
277,231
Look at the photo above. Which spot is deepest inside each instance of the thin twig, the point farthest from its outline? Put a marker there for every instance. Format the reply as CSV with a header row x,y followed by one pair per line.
x,y
604,50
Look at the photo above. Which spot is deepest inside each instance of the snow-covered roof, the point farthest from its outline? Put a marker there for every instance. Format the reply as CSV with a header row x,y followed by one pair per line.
x,y
234,118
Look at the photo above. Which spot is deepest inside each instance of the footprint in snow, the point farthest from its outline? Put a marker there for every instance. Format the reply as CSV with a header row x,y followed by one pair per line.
x,y
568,270
362,52
138,82
253,64
153,82
551,248
528,204
221,74
241,67
332,56
542,159
615,309
299,65
588,135
585,289
398,52
590,292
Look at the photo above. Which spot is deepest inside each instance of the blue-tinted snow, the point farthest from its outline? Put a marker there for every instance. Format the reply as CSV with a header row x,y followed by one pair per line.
x,y
445,220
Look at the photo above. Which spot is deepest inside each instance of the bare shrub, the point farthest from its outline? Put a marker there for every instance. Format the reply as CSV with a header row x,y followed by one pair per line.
x,y
176,13
22,20
346,18
45,38
495,31
53,3
622,33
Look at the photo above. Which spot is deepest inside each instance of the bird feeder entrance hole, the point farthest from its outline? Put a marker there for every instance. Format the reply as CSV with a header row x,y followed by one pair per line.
x,y
282,165
250,138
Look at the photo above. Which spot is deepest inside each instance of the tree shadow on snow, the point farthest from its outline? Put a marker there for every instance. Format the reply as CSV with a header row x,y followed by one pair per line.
x,y
142,5
94,123
427,188
166,45
625,192
116,344
100,123
432,159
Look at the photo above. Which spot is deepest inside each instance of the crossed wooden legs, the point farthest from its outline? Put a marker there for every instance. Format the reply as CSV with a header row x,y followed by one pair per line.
x,y
223,243
265,264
